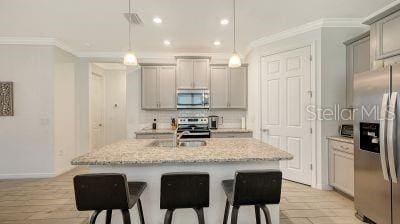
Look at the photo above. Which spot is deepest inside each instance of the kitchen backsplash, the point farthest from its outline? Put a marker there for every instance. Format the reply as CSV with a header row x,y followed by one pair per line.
x,y
231,118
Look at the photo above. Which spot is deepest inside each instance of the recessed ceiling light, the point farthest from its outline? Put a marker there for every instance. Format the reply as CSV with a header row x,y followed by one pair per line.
x,y
157,20
224,22
217,43
167,42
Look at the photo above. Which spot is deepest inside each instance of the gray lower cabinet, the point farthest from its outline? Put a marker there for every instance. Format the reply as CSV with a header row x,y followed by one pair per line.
x,y
228,87
158,87
358,60
341,166
231,134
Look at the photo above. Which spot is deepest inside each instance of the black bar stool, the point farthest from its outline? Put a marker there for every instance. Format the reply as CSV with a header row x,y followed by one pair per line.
x,y
257,188
98,192
185,190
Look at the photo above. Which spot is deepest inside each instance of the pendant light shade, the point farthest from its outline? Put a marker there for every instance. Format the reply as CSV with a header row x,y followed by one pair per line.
x,y
130,58
234,60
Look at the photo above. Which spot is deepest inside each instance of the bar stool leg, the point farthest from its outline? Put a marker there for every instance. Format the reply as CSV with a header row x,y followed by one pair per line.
x,y
235,212
227,208
139,205
266,214
108,217
126,216
200,215
94,216
168,216
257,210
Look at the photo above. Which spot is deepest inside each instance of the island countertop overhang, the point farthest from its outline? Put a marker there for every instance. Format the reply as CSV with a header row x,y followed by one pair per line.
x,y
138,152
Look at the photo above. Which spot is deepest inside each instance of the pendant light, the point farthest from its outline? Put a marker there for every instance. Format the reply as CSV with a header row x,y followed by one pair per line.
x,y
234,60
130,58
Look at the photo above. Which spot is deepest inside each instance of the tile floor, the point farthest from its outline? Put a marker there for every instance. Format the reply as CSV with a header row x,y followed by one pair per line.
x,y
51,201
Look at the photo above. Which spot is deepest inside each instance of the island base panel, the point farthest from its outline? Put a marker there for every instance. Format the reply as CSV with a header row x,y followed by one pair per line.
x,y
213,214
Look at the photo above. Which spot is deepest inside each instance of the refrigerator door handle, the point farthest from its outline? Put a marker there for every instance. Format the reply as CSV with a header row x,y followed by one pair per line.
x,y
392,157
382,135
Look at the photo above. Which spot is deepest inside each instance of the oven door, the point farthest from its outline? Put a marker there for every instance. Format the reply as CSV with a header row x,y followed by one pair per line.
x,y
192,99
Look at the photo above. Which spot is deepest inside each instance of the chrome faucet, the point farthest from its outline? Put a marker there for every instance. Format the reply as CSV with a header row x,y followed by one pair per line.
x,y
177,137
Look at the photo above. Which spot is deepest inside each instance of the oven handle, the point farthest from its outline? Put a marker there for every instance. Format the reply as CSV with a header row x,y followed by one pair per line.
x,y
382,135
392,157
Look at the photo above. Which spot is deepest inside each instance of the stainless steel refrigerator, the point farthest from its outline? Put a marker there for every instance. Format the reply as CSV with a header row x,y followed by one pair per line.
x,y
376,145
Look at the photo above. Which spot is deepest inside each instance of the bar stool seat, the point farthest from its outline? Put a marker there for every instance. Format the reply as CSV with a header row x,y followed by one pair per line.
x,y
108,191
257,188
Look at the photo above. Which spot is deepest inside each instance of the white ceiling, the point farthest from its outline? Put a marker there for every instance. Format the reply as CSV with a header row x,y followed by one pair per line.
x,y
191,25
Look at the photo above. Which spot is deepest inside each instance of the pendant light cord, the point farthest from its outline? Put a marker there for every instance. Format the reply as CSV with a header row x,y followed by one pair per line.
x,y
130,24
234,26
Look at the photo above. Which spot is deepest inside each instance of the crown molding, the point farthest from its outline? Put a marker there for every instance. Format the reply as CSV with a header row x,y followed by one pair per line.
x,y
317,24
44,41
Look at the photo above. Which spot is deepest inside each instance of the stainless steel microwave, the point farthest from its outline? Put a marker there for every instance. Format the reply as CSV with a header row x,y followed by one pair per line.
x,y
193,99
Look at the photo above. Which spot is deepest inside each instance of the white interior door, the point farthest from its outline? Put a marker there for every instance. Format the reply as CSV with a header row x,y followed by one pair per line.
x,y
285,96
97,111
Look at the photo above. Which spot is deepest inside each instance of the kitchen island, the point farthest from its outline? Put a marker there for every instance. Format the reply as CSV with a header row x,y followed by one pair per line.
x,y
142,160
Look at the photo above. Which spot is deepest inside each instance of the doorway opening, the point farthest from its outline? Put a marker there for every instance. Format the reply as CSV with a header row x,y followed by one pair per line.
x,y
107,104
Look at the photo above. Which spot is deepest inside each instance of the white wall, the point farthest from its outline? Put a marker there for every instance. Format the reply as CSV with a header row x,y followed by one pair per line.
x,y
41,139
82,98
64,111
26,139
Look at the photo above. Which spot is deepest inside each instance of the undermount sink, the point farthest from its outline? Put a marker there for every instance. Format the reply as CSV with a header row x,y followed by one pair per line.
x,y
182,143
192,143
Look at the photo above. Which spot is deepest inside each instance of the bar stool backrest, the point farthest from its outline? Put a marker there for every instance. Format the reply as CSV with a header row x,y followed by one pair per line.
x,y
102,191
185,190
257,187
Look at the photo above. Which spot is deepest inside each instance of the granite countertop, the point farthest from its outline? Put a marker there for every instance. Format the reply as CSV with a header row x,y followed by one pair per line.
x,y
156,131
136,152
342,139
230,130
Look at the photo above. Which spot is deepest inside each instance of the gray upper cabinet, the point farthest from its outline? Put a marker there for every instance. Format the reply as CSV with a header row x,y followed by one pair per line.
x,y
149,87
388,33
238,88
193,73
158,87
185,74
385,32
167,86
201,73
358,60
219,87
228,87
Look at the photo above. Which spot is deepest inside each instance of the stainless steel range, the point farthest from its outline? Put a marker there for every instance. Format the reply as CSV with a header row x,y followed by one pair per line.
x,y
197,126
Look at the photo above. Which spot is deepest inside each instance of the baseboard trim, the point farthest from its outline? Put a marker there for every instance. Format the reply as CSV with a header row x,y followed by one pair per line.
x,y
26,175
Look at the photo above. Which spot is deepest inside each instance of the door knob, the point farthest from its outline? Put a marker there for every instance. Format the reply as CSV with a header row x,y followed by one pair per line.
x,y
100,125
264,130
